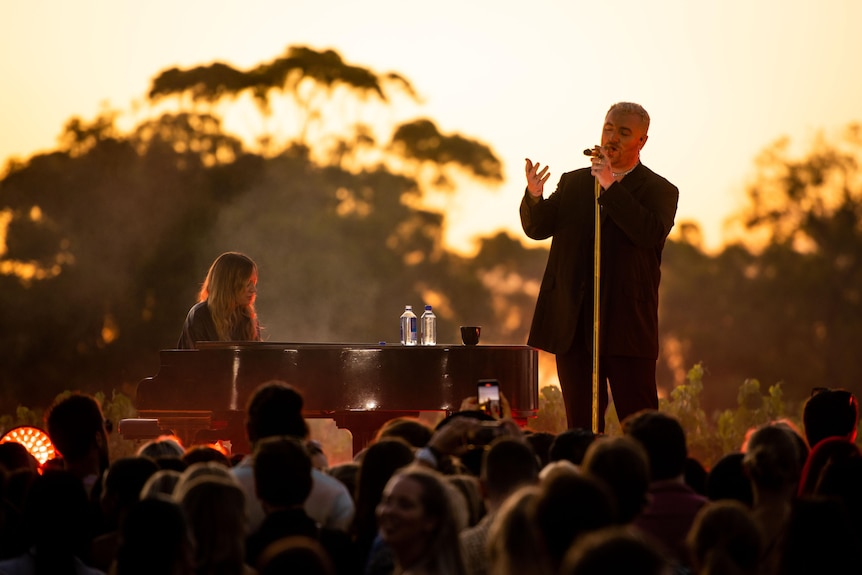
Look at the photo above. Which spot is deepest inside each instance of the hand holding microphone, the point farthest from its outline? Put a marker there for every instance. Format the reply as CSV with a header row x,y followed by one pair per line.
x,y
601,166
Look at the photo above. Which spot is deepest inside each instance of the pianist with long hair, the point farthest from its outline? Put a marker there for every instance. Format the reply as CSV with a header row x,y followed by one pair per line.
x,y
225,308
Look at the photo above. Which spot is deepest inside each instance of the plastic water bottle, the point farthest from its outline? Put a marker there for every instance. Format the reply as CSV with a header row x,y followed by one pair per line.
x,y
408,326
428,323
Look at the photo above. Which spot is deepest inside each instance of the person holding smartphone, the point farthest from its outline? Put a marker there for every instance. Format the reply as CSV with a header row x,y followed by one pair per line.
x,y
488,393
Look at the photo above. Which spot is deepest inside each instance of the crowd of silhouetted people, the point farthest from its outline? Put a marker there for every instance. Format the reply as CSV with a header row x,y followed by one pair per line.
x,y
471,496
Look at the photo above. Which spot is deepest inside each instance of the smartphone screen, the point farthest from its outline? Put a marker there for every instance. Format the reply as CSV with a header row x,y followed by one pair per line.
x,y
489,397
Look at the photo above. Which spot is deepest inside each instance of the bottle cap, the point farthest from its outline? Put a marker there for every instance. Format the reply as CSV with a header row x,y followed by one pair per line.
x,y
428,307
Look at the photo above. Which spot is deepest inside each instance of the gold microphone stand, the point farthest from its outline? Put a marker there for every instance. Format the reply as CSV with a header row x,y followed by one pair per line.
x,y
597,266
596,310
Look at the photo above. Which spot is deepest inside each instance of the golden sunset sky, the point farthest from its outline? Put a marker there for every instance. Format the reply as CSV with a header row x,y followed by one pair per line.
x,y
721,80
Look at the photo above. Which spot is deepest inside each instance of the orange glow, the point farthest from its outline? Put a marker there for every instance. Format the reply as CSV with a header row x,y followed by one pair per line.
x,y
110,329
36,441
5,218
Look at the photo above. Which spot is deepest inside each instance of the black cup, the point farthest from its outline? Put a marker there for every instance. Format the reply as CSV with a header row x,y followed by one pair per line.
x,y
470,334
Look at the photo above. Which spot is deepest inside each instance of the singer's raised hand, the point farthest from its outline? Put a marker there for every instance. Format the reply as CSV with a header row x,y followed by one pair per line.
x,y
536,179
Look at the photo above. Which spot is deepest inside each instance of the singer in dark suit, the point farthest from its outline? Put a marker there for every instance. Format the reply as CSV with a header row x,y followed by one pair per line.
x,y
637,212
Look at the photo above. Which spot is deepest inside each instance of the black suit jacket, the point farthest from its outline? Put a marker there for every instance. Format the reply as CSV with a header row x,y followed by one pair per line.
x,y
637,214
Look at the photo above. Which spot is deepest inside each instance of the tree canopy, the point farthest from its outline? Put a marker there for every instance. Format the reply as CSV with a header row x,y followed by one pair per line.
x,y
110,235
785,306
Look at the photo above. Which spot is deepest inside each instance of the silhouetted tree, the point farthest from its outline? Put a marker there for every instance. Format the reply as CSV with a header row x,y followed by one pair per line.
x,y
784,307
110,235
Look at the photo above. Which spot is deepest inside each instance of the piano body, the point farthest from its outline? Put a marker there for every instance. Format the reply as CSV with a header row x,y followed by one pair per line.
x,y
200,395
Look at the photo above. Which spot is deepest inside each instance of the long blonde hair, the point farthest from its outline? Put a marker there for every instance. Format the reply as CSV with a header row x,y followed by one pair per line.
x,y
226,279
443,551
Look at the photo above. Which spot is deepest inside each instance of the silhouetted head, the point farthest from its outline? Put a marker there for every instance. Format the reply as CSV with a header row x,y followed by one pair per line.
x,y
725,533
508,465
571,445
727,479
164,446
409,429
216,510
275,408
830,413
14,456
664,440
76,426
571,504
772,458
622,464
541,442
295,554
282,471
123,482
615,550
198,453
154,538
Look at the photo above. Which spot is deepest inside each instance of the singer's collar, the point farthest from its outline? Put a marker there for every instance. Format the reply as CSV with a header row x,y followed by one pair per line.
x,y
627,172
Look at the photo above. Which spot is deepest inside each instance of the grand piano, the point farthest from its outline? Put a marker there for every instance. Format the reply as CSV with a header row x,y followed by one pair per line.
x,y
200,394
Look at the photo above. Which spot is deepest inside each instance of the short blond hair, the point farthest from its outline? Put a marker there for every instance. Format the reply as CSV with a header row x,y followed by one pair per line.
x,y
632,108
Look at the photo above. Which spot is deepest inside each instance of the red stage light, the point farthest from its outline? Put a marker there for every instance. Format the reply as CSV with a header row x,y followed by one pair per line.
x,y
34,439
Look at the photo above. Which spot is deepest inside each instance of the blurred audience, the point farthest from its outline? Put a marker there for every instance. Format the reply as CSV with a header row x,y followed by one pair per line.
x,y
672,504
476,495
